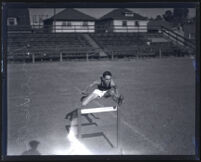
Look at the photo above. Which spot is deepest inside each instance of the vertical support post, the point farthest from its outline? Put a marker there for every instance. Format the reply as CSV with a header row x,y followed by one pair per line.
x,y
87,56
160,53
79,123
54,22
117,126
33,58
177,41
61,57
112,55
137,56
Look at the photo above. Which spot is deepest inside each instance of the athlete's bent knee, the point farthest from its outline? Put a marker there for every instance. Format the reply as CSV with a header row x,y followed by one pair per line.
x,y
83,103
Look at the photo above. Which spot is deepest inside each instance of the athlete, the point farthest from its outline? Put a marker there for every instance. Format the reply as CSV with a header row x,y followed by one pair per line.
x,y
105,87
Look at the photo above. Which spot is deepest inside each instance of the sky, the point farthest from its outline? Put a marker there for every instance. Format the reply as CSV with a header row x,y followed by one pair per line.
x,y
147,12
99,12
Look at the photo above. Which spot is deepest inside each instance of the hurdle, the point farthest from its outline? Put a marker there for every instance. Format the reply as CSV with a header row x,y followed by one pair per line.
x,y
99,110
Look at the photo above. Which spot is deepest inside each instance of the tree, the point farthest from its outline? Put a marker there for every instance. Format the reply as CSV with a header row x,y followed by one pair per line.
x,y
168,16
158,17
180,12
180,15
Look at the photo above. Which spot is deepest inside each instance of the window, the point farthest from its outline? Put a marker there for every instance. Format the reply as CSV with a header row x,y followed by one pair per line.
x,y
129,14
85,23
64,23
40,19
189,36
68,23
137,23
124,23
35,19
11,21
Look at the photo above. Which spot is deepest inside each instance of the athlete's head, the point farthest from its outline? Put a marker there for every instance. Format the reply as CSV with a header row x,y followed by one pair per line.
x,y
107,76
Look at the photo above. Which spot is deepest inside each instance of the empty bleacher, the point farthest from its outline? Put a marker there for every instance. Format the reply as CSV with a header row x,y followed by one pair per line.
x,y
122,44
31,47
46,46
132,44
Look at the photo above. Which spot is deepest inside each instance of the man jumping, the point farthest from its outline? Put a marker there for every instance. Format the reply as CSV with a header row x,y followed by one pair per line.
x,y
105,88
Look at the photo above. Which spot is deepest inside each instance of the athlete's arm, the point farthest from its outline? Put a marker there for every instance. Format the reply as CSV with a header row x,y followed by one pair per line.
x,y
114,87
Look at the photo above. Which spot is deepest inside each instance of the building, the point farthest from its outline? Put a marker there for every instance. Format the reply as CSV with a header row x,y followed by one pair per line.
x,y
70,21
122,20
189,30
18,20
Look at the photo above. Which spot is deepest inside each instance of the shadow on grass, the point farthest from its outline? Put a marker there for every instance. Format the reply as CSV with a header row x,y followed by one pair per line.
x,y
33,148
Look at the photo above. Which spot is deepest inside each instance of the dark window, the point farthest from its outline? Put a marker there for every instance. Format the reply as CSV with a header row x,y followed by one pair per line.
x,y
11,21
124,23
35,19
64,23
68,23
40,19
137,23
85,23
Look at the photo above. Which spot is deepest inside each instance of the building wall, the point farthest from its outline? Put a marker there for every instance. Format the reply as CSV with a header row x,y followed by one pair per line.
x,y
73,27
130,27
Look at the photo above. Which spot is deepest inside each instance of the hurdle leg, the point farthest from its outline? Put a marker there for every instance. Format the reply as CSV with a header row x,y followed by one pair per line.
x,y
117,129
79,123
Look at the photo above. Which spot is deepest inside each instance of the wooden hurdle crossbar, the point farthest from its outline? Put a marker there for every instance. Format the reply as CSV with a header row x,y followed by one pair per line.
x,y
99,110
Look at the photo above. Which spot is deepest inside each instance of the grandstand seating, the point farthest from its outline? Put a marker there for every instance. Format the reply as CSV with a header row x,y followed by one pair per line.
x,y
50,46
129,44
45,46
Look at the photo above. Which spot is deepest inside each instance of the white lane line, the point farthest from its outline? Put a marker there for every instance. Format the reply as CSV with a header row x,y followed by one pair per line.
x,y
135,130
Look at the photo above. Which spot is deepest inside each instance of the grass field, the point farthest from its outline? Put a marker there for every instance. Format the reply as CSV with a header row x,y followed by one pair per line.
x,y
158,116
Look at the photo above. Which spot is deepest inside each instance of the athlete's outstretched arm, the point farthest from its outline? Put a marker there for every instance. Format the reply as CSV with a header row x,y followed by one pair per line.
x,y
114,87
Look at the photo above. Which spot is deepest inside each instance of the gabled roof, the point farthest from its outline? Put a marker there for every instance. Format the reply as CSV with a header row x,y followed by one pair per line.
x,y
71,14
119,14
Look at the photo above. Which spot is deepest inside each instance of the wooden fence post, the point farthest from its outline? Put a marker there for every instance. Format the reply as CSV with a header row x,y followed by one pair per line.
x,y
87,56
33,58
160,53
61,57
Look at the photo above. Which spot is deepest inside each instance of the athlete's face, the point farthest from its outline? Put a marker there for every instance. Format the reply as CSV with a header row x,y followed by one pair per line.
x,y
107,79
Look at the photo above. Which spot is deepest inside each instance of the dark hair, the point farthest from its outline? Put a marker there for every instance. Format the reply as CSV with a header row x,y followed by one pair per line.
x,y
107,73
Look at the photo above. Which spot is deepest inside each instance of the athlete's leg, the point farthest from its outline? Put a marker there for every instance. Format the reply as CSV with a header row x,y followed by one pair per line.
x,y
89,98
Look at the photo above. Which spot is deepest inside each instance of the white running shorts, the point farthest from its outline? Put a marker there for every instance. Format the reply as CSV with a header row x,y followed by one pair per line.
x,y
99,92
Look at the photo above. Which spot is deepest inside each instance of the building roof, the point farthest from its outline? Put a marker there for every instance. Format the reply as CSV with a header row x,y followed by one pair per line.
x,y
71,14
120,14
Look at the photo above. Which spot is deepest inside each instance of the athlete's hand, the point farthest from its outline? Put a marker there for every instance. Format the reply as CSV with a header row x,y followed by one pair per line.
x,y
84,93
